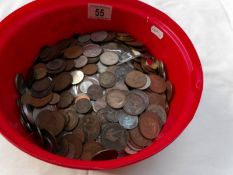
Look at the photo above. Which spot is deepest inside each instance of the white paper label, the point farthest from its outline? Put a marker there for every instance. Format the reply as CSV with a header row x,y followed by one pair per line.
x,y
155,30
99,11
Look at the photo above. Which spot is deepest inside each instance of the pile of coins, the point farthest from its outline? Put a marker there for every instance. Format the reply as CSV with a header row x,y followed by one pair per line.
x,y
96,96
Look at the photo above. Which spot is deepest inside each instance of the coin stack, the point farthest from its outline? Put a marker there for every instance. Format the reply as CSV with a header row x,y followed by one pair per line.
x,y
95,96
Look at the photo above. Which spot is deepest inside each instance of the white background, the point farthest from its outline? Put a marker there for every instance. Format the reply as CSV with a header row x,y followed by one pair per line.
x,y
205,147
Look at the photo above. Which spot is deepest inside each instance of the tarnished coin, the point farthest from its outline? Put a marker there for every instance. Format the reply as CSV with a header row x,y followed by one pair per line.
x,y
77,76
159,99
143,95
20,84
135,104
27,112
107,79
81,96
107,154
122,71
134,43
73,120
114,137
81,61
95,92
36,111
148,83
99,36
138,138
62,81
109,58
116,98
92,50
126,120
39,71
89,69
121,86
101,68
55,99
79,132
101,116
159,111
55,64
42,85
50,142
130,151
84,38
69,65
66,99
48,53
135,79
158,84
133,146
90,149
85,85
93,60
169,88
51,121
73,52
83,106
110,37
149,125
40,102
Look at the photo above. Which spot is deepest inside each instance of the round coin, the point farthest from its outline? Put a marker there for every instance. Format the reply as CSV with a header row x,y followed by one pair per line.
x,y
169,88
69,65
85,85
66,99
84,38
95,92
62,81
107,79
92,50
127,121
159,99
99,36
116,98
77,76
158,84
143,95
83,106
73,120
55,99
90,149
89,69
73,52
109,58
159,111
55,64
81,62
110,114
138,138
148,83
101,68
42,85
40,102
107,154
39,71
135,79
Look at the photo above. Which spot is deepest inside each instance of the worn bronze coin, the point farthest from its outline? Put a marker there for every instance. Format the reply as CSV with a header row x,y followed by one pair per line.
x,y
106,154
138,138
83,105
51,121
107,79
90,149
73,52
55,64
149,125
55,99
114,137
66,99
39,102
42,85
116,98
92,50
84,38
89,69
169,90
135,104
39,71
110,114
79,132
135,79
48,53
159,99
62,81
95,92
69,65
73,120
159,111
158,84
143,95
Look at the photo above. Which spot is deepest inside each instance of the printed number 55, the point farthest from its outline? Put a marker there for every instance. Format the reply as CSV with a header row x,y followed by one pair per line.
x,y
99,12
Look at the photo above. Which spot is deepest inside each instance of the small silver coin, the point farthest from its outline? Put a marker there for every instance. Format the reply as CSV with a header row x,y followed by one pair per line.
x,y
74,90
127,121
109,58
81,62
85,85
77,76
92,50
99,36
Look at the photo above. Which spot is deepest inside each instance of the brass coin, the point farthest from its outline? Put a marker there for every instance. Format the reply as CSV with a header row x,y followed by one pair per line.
x,y
90,149
135,79
158,84
62,81
138,138
116,98
89,69
106,154
92,50
66,99
95,92
83,106
149,125
101,116
81,62
107,79
73,52
40,71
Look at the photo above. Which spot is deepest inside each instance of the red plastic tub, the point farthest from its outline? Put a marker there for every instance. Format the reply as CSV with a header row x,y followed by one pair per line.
x,y
46,21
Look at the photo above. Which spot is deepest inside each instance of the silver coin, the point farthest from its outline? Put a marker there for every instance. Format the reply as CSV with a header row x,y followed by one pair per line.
x,y
112,46
128,121
122,71
81,62
159,110
36,111
121,86
99,104
99,36
20,84
92,50
101,68
148,83
110,114
109,58
77,76
93,79
84,38
85,85
143,95
74,90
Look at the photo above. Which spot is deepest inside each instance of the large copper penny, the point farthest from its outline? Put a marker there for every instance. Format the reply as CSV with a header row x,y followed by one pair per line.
x,y
106,154
39,102
66,99
95,92
90,149
149,125
116,98
138,138
83,105
158,84
101,116
73,52
89,69
135,79
107,79
62,81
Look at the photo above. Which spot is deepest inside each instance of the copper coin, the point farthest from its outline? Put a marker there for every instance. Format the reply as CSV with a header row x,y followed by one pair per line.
x,y
107,154
85,85
138,138
89,69
92,50
159,111
73,120
73,52
55,64
48,53
130,151
90,149
66,99
81,61
158,84
41,94
40,71
63,147
149,125
83,106
61,69
81,96
133,146
159,99
55,99
169,91
51,121
74,140
69,65
63,44
107,79
99,36
135,79
40,102
110,114
77,76
42,85
62,81
99,104
143,95
20,84
84,38
92,60
114,137
79,132
101,116
109,58
135,104
95,92
116,98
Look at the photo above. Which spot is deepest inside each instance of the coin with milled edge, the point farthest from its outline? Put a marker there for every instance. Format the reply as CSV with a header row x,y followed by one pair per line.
x,y
73,52
92,50
109,58
116,98
81,61
77,76
99,36
107,79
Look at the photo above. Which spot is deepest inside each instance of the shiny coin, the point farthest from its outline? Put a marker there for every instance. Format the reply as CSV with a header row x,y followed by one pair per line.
x,y
50,121
83,106
126,120
159,111
55,99
99,36
135,79
158,84
90,149
27,111
20,84
85,85
138,138
77,76
39,71
116,98
107,154
114,137
73,120
148,83
26,125
143,95
89,69
73,52
109,58
169,90
74,90
62,81
95,92
107,79
81,61
92,50
135,104
66,99
149,125
84,38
